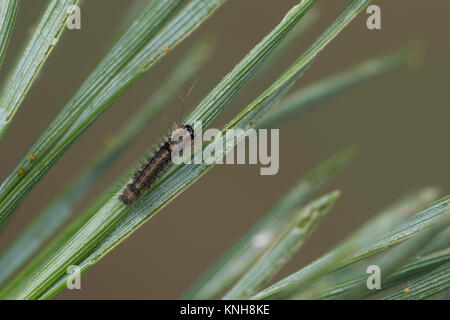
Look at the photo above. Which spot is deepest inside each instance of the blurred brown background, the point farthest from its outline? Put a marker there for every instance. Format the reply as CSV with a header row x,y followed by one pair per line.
x,y
398,121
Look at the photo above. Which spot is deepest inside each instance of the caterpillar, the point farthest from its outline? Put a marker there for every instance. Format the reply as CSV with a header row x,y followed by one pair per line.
x,y
155,165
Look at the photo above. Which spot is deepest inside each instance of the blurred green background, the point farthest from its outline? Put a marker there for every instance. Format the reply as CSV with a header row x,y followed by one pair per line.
x,y
399,122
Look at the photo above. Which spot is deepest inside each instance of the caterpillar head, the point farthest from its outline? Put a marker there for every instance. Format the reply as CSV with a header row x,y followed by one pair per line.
x,y
182,133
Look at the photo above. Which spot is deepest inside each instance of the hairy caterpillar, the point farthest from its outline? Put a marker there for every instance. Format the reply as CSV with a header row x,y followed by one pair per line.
x,y
150,170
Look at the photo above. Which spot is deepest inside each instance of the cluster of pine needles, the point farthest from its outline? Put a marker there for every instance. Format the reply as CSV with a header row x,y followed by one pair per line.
x,y
408,242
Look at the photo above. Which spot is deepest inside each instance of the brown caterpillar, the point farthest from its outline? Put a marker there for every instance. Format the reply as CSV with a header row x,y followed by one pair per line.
x,y
149,171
